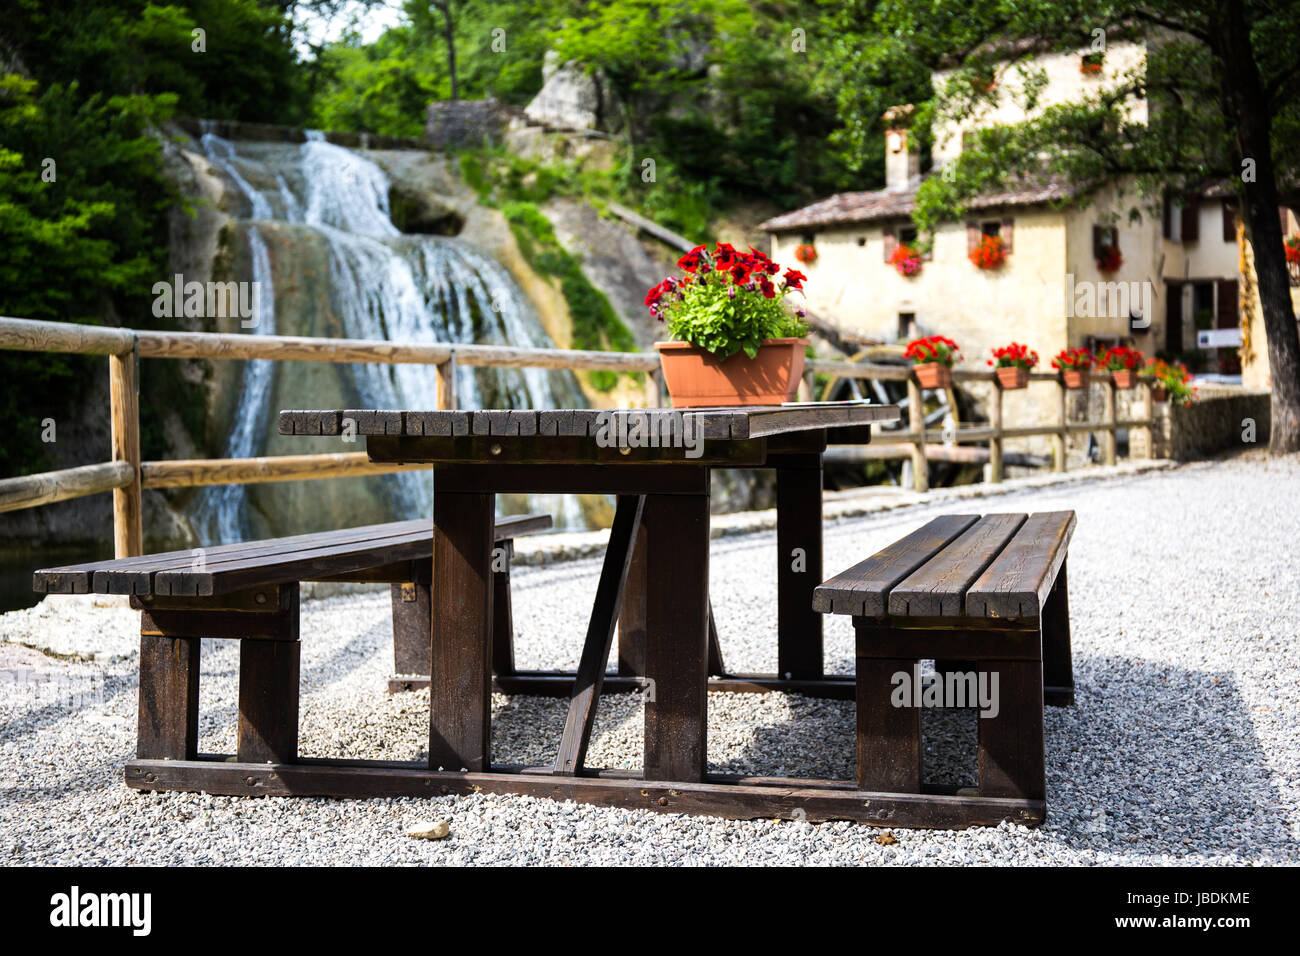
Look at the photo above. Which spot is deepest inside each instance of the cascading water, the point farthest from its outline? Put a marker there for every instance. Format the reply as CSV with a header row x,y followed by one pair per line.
x,y
382,285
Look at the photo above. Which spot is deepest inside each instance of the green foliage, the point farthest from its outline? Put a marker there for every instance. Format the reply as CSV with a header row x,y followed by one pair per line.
x,y
595,323
247,70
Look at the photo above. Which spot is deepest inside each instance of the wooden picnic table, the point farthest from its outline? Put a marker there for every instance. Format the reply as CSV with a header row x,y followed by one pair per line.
x,y
656,572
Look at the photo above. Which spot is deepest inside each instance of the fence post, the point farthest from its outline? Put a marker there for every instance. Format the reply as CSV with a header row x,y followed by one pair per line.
x,y
1108,417
124,415
1058,440
995,443
447,382
916,429
1148,416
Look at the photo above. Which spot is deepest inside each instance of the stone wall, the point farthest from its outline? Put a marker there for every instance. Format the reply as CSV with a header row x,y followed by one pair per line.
x,y
1216,422
465,124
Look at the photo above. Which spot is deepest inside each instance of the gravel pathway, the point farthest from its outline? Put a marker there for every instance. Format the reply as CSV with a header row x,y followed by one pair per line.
x,y
1183,746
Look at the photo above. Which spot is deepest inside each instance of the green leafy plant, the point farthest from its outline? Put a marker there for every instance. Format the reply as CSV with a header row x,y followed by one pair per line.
x,y
728,301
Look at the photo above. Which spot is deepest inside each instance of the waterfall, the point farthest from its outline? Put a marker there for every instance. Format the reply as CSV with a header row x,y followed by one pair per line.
x,y
382,285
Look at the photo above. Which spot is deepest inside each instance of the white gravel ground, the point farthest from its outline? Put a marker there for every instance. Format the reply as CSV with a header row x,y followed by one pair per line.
x,y
1183,746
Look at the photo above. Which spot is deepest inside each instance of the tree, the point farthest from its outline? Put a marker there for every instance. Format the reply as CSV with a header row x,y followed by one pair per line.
x,y
449,38
1221,82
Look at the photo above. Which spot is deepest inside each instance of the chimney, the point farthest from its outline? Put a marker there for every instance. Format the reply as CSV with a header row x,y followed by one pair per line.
x,y
902,162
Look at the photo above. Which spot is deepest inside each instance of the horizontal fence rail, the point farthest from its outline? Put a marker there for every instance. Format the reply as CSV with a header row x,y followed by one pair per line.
x,y
126,476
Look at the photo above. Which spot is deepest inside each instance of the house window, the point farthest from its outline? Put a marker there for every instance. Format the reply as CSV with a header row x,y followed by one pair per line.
x,y
991,227
907,235
1003,229
906,325
862,241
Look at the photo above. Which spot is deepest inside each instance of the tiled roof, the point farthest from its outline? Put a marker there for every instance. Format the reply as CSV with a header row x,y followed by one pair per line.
x,y
898,204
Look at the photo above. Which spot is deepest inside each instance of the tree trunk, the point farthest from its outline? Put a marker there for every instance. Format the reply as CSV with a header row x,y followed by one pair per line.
x,y
450,38
1246,108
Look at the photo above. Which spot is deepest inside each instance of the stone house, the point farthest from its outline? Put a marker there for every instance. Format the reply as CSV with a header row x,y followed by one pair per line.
x,y
1181,269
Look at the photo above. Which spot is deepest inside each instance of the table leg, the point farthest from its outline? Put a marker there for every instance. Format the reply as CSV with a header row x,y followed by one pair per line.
x,y
631,618
799,565
460,685
676,529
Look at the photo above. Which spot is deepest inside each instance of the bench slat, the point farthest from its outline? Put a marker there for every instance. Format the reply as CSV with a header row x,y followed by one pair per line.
x,y
137,575
1017,583
938,588
863,589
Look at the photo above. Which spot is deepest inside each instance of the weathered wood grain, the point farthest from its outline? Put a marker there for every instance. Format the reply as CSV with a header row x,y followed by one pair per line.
x,y
863,589
1017,582
938,587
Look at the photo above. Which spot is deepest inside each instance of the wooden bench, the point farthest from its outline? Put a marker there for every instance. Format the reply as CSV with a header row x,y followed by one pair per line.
x,y
249,592
984,595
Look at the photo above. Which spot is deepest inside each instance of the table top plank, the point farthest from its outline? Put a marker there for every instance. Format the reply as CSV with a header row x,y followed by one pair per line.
x,y
1017,583
938,588
731,423
863,590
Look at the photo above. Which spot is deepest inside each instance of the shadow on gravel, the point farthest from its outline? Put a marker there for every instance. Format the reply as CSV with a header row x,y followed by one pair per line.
x,y
1151,760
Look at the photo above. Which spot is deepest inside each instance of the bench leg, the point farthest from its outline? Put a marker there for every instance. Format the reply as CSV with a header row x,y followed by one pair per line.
x,y
268,701
889,737
1011,743
169,698
411,609
1058,666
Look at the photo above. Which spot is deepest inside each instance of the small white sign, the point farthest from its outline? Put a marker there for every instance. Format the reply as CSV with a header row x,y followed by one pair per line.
x,y
1218,338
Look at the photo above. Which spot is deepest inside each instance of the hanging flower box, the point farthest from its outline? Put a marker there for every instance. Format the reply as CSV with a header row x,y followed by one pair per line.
x,y
990,253
1012,364
1090,63
1110,259
906,260
1075,366
806,253
1124,365
932,360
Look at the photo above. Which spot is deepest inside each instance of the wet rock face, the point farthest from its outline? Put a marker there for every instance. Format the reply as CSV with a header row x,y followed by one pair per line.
x,y
416,211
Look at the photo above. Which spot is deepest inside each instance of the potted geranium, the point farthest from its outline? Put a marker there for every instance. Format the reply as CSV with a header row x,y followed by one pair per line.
x,y
739,343
1169,381
932,359
1012,364
1090,63
906,260
1110,259
1292,246
1075,366
990,253
806,253
1124,365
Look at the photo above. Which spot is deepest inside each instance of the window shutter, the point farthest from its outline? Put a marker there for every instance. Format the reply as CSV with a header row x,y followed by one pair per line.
x,y
972,236
1227,308
1166,219
1007,232
1191,221
1173,317
1282,212
1096,242
1229,222
890,243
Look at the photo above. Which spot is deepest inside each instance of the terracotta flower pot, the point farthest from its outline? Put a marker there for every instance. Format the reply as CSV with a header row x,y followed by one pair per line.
x,y
697,378
1159,393
1124,377
1076,377
933,375
1012,377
